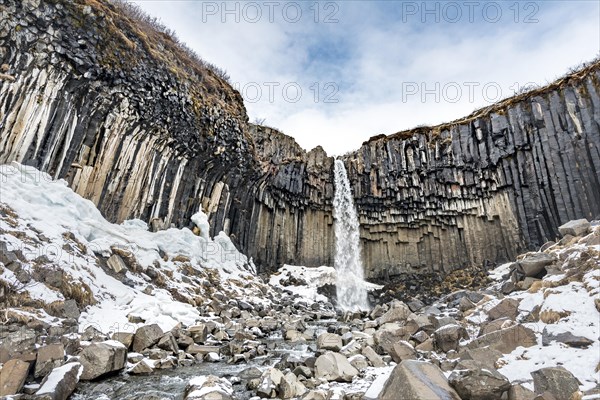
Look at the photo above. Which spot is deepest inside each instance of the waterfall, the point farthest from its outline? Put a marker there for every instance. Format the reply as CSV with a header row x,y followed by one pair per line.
x,y
350,286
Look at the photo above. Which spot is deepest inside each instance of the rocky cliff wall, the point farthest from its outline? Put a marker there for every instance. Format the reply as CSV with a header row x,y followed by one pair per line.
x,y
136,124
133,122
483,188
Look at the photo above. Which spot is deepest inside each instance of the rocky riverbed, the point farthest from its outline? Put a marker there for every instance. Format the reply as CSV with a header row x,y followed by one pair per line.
x,y
93,310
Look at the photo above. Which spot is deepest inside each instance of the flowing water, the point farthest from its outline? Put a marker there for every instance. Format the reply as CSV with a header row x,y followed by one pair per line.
x,y
350,286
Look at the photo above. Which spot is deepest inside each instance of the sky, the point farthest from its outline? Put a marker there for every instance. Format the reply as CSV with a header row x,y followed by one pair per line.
x,y
335,73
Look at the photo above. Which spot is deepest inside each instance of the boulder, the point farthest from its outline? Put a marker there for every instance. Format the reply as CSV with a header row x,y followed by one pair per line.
x,y
416,380
484,356
534,263
448,337
519,392
143,367
208,387
99,359
269,383
124,337
505,340
334,367
389,334
12,376
290,387
329,341
403,350
116,263
198,333
48,358
60,383
556,380
495,325
507,308
398,312
168,343
70,309
578,227
373,357
565,337
476,382
146,336
359,362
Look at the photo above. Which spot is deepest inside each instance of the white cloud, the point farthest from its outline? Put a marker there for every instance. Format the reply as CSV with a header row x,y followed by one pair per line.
x,y
372,55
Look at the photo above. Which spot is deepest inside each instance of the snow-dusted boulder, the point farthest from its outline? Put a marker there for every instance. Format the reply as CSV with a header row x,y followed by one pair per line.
x,y
102,358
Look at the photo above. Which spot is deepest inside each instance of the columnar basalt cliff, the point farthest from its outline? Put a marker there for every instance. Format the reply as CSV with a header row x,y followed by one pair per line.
x,y
138,126
133,122
481,189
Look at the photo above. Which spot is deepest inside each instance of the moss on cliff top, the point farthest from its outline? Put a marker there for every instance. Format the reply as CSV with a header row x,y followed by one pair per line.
x,y
131,39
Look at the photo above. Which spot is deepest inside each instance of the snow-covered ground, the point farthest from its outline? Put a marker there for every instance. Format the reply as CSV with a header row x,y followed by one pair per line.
x,y
56,229
573,299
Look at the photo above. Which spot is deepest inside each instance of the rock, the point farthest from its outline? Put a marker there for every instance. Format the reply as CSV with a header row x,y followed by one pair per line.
x,y
508,287
212,357
316,395
199,349
403,350
198,333
208,388
578,227
565,337
556,380
116,263
506,340
12,376
334,367
359,362
507,308
495,325
61,382
519,392
484,356
123,337
352,348
373,357
18,343
146,336
329,341
447,337
70,309
389,334
302,370
398,312
465,304
417,380
99,359
290,387
250,373
533,264
478,383
48,358
168,343
143,367
269,383
526,283
415,304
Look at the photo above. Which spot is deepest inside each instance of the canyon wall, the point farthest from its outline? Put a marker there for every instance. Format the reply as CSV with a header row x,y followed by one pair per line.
x,y
481,189
133,122
91,93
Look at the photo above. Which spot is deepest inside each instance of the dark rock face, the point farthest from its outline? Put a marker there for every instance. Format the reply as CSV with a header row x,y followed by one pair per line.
x,y
134,125
482,188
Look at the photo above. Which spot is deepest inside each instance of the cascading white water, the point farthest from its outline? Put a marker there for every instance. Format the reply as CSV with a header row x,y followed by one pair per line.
x,y
350,286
